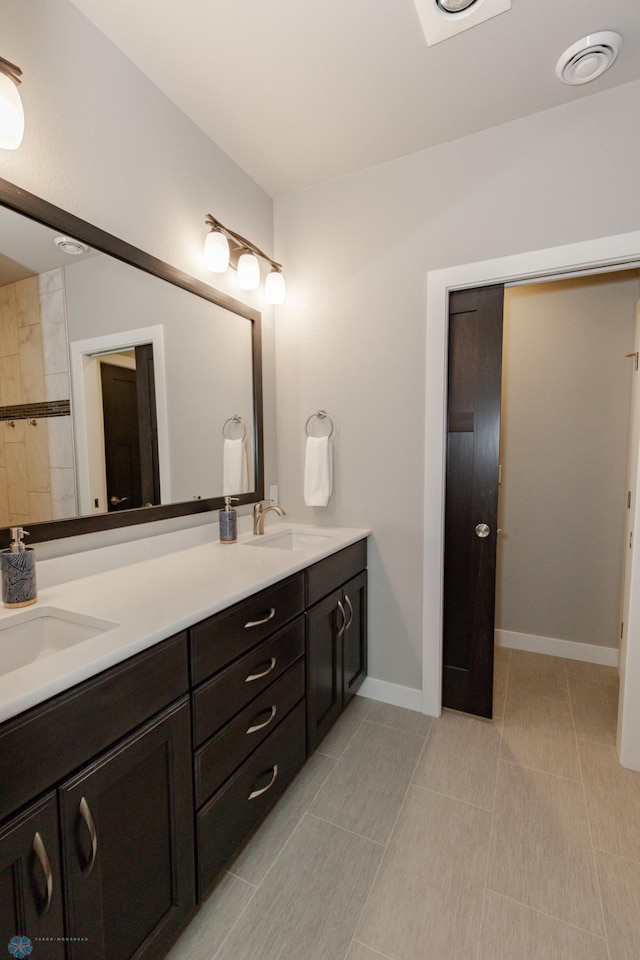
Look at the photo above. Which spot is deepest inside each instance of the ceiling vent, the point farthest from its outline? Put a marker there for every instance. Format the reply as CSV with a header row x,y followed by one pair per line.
x,y
70,245
441,19
588,58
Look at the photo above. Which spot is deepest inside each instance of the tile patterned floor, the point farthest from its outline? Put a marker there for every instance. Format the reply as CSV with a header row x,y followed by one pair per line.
x,y
409,838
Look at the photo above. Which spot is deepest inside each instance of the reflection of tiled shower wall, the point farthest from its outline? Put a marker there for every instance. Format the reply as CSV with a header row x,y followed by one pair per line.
x,y
37,475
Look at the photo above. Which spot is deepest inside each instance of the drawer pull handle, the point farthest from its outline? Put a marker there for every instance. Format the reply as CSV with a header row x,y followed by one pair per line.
x,y
85,813
344,619
259,676
258,793
346,597
258,623
260,726
41,853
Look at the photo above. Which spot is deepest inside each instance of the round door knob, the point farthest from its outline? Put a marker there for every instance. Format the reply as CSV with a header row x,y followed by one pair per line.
x,y
482,531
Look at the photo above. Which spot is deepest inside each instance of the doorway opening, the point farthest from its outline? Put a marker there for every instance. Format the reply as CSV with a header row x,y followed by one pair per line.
x,y
613,253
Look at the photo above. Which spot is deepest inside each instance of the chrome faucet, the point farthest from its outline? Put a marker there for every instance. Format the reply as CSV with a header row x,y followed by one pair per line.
x,y
260,511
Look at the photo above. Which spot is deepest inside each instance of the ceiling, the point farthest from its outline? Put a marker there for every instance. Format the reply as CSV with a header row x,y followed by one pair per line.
x,y
299,92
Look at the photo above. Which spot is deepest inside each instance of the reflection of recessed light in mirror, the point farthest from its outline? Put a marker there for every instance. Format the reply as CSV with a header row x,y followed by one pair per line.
x,y
71,246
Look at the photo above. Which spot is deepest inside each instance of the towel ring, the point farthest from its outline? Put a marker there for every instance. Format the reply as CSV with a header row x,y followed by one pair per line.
x,y
235,419
319,415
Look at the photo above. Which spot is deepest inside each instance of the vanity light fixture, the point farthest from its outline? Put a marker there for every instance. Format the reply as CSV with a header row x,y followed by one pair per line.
x,y
224,248
11,111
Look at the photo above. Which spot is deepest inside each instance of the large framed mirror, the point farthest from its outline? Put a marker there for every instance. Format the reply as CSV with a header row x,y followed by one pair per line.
x,y
129,391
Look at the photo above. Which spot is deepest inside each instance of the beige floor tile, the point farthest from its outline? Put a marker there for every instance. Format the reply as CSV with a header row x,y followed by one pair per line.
x,y
259,854
538,732
427,898
410,721
620,886
539,674
501,658
541,852
594,672
511,931
311,900
365,790
213,921
358,951
613,800
460,759
342,732
595,711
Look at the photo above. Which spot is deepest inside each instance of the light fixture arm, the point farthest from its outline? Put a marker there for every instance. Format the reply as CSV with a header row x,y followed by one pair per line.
x,y
10,70
240,242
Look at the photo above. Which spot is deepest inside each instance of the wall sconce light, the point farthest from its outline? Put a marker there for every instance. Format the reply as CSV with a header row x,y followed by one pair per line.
x,y
224,248
11,112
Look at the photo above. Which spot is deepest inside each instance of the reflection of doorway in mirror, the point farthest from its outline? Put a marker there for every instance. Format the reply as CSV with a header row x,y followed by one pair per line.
x,y
131,472
145,476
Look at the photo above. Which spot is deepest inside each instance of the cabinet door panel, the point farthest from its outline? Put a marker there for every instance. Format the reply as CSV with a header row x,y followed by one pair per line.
x,y
354,641
29,905
130,888
324,667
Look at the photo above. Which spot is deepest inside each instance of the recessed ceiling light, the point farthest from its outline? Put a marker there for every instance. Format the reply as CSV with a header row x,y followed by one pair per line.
x,y
455,6
589,58
71,246
441,19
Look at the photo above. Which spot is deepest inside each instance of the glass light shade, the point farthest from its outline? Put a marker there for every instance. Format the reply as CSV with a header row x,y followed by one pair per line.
x,y
248,272
455,6
11,114
274,287
216,252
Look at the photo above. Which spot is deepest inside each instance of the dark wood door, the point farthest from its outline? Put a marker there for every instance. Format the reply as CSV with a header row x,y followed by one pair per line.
x,y
147,425
127,835
471,507
354,637
121,437
30,883
324,667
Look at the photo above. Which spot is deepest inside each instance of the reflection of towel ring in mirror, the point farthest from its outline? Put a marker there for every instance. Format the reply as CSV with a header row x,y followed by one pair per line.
x,y
319,415
235,419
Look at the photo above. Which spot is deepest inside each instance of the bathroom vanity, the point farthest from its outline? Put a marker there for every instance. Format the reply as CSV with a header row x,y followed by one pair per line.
x,y
125,793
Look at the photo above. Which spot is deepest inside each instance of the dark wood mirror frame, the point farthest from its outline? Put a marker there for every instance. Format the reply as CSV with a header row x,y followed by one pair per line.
x,y
21,201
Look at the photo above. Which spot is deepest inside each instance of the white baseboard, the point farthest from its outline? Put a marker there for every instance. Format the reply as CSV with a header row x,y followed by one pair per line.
x,y
391,693
570,649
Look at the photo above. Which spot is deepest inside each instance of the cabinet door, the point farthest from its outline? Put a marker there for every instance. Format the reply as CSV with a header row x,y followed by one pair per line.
x,y
127,836
324,667
30,888
354,640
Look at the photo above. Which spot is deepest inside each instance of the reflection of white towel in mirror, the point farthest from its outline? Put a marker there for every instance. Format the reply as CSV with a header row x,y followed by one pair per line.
x,y
235,477
318,471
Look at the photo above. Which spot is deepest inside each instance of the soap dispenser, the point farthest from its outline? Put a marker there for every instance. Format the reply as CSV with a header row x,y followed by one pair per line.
x,y
18,565
229,522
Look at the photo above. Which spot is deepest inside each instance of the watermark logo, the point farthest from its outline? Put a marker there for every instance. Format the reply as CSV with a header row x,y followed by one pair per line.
x,y
20,947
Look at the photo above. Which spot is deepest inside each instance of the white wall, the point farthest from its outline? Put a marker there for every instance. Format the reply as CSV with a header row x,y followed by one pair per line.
x,y
351,336
566,388
102,142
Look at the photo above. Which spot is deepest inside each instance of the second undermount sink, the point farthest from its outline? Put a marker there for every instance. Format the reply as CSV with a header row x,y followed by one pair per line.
x,y
289,540
41,631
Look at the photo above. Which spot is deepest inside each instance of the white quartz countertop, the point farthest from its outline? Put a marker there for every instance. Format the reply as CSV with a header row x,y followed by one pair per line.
x,y
151,599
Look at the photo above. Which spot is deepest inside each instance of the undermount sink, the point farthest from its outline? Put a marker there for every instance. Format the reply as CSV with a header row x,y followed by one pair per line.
x,y
42,631
289,540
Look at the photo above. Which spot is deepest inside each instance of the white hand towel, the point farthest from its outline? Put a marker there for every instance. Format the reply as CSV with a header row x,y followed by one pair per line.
x,y
235,475
318,471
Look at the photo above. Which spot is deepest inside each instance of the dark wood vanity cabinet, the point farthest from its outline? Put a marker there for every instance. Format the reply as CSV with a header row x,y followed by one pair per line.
x,y
336,637
114,754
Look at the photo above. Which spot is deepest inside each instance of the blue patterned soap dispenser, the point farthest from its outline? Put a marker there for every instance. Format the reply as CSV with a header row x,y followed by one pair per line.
x,y
18,572
228,522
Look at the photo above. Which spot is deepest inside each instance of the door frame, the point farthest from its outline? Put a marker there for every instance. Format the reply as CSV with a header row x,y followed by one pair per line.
x,y
591,256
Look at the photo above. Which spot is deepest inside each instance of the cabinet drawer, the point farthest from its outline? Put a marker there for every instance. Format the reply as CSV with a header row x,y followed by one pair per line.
x,y
45,744
218,758
217,641
246,798
219,699
327,574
